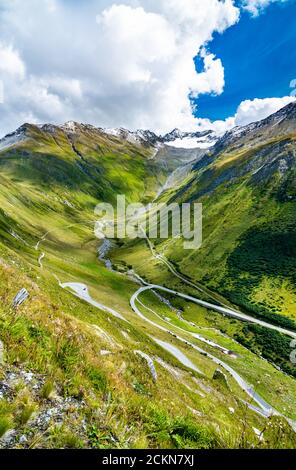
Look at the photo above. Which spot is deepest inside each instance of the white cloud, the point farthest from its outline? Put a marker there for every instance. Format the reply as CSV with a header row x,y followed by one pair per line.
x,y
248,111
255,7
257,109
111,64
10,61
116,64
212,79
152,59
64,87
51,5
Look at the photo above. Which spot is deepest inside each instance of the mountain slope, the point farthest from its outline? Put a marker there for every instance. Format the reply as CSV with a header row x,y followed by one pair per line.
x,y
77,368
247,186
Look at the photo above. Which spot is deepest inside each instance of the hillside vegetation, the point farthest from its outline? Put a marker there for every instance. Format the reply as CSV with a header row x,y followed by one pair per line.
x,y
75,375
247,186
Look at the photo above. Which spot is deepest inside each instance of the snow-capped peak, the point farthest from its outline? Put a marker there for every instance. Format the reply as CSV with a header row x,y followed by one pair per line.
x,y
14,138
191,140
175,138
70,126
137,137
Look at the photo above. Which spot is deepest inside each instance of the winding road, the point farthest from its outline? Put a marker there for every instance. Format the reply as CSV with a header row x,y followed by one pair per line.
x,y
264,409
225,310
81,290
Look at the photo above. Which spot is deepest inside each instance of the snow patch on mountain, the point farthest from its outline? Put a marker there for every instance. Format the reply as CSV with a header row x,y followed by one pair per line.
x,y
70,126
175,138
12,139
138,137
191,143
190,140
285,115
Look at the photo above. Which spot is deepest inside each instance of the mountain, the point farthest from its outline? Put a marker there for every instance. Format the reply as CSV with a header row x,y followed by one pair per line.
x,y
102,162
76,158
143,137
280,124
204,139
106,350
175,138
247,184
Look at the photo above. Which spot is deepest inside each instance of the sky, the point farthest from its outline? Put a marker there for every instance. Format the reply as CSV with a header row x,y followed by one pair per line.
x,y
150,64
265,45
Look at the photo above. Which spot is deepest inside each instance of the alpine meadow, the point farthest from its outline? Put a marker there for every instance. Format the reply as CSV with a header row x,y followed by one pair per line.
x,y
137,342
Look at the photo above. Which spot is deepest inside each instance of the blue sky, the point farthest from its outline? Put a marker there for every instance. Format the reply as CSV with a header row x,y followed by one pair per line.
x,y
259,59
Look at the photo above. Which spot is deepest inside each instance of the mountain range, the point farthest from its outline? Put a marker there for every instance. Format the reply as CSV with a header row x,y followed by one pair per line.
x,y
140,343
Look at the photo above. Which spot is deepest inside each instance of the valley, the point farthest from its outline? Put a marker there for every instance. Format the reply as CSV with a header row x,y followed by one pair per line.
x,y
142,306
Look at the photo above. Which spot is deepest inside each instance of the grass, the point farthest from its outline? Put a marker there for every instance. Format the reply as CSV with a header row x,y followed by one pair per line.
x,y
61,437
54,333
248,234
81,372
47,390
5,424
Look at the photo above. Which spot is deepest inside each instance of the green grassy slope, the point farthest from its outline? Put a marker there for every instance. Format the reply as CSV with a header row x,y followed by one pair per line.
x,y
88,386
248,191
247,186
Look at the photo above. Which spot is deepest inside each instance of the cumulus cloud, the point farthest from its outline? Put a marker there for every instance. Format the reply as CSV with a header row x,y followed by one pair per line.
x,y
115,63
257,109
10,62
248,111
127,63
212,79
255,7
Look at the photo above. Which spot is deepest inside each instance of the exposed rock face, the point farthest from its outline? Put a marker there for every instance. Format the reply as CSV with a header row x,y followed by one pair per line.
x,y
52,411
146,138
281,123
21,296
